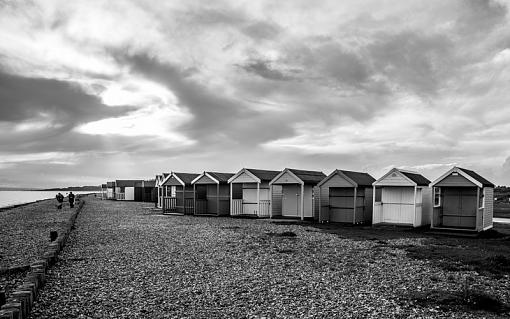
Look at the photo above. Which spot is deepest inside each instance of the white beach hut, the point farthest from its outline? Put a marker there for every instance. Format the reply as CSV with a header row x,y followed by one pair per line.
x,y
249,192
402,197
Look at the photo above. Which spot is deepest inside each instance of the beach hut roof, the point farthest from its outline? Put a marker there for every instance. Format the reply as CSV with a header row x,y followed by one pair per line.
x,y
419,179
263,175
221,177
127,182
149,183
357,178
470,175
362,179
308,176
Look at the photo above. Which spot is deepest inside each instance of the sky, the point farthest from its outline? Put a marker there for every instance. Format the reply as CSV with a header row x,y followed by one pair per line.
x,y
93,91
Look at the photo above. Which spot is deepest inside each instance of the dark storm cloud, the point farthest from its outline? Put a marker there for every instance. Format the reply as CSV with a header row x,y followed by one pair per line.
x,y
217,117
264,69
60,102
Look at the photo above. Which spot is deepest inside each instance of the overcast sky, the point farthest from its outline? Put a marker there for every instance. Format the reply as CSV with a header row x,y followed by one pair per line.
x,y
92,91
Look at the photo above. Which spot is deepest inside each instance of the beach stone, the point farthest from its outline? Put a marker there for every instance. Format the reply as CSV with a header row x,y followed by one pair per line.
x,y
6,314
15,308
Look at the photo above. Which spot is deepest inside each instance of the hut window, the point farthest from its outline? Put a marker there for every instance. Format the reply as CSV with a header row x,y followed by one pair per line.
x,y
481,199
237,191
173,191
437,196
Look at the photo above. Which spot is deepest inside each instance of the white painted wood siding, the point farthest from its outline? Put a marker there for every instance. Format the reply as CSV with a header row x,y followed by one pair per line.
x,y
129,193
398,205
489,208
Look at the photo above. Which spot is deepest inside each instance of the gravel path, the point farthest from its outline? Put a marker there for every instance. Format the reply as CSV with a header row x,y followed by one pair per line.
x,y
122,261
25,231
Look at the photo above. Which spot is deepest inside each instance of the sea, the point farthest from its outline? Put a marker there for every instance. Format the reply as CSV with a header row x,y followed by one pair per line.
x,y
10,198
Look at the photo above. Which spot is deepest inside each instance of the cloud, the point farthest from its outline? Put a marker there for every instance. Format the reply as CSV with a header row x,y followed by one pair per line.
x,y
217,117
50,101
263,69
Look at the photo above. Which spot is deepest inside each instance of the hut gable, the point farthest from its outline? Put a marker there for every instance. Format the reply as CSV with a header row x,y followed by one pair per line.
x,y
204,179
338,180
286,177
296,176
398,177
244,176
461,177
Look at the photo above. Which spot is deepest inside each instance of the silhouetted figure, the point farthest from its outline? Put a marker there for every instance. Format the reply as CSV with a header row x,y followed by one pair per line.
x,y
60,200
71,199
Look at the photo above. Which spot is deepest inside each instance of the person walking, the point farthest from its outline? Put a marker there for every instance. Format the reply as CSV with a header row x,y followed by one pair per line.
x,y
60,199
71,199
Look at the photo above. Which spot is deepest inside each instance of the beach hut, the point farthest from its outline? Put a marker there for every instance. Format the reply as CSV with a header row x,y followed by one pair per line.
x,y
402,197
462,200
179,196
298,191
346,197
104,191
212,193
125,189
110,190
160,189
249,192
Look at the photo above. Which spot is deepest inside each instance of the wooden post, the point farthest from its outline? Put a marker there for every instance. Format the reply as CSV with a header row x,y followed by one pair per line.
x,y
373,204
415,221
354,208
302,201
231,204
258,199
270,201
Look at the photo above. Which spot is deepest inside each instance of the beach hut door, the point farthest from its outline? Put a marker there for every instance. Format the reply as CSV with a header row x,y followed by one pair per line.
x,y
290,200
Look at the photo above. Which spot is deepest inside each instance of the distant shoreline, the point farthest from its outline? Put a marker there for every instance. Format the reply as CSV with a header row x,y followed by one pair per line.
x,y
21,205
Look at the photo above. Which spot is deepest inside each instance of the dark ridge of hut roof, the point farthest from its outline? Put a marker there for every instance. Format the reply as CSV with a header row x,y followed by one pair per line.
x,y
419,179
187,178
165,175
475,175
110,184
221,177
149,183
264,175
308,176
127,182
362,179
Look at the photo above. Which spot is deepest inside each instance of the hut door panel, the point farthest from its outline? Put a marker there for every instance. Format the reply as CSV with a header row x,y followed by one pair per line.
x,y
341,202
250,199
290,200
459,207
398,205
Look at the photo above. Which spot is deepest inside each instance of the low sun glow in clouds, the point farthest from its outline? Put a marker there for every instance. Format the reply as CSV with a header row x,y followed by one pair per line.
x,y
190,86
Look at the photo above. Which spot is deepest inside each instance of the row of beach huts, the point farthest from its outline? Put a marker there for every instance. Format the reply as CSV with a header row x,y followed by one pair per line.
x,y
460,199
